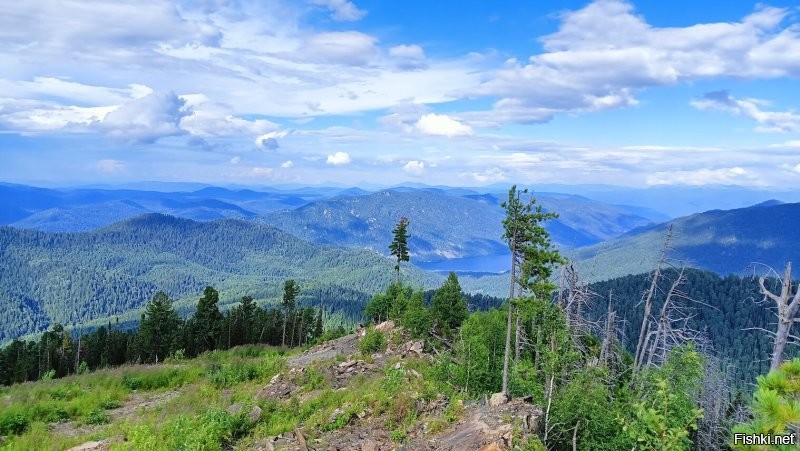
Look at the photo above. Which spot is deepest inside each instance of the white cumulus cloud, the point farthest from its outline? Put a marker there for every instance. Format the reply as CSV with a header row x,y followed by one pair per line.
x,y
287,164
442,125
339,158
414,167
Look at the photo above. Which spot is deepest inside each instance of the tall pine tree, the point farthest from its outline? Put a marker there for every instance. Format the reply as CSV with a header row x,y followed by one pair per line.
x,y
399,245
448,305
207,321
158,329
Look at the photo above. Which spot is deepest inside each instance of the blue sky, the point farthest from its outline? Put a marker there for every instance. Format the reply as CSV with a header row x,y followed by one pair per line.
x,y
459,93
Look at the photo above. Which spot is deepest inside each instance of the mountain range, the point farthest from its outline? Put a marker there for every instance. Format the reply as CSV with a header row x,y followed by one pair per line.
x,y
740,241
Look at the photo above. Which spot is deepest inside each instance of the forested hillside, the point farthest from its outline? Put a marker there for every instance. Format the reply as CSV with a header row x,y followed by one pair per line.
x,y
76,277
736,241
446,225
726,310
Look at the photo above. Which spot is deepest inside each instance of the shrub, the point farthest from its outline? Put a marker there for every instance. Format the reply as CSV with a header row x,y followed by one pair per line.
x,y
13,424
373,341
96,416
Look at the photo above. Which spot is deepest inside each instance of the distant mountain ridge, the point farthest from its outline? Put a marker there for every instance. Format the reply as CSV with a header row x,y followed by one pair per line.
x,y
444,225
737,241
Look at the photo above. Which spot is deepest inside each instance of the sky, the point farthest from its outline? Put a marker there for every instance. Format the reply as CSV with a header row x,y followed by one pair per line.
x,y
461,93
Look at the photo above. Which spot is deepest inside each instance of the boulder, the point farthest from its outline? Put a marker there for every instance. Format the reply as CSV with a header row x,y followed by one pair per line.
x,y
255,414
385,326
498,399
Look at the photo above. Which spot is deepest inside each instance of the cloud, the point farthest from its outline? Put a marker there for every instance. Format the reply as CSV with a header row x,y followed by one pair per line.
x,y
699,177
287,164
408,57
236,160
414,167
493,174
339,158
603,53
269,140
146,119
341,47
258,171
209,119
442,125
110,166
769,121
342,10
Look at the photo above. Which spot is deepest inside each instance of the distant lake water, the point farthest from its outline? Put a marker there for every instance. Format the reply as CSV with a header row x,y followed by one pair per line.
x,y
484,264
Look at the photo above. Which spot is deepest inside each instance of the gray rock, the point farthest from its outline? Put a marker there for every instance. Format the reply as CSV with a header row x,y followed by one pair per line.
x,y
498,399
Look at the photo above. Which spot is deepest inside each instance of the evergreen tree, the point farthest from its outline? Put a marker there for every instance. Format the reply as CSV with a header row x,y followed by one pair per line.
x,y
448,305
417,319
290,292
532,258
399,245
158,328
207,321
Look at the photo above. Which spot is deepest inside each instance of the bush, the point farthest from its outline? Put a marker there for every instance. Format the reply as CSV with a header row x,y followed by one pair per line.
x,y
373,341
96,416
13,424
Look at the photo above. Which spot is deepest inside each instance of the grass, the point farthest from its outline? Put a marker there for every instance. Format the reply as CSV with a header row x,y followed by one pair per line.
x,y
26,410
196,418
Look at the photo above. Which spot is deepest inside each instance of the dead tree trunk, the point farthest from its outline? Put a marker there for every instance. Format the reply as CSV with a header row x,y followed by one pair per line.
x,y
648,302
663,320
787,304
608,336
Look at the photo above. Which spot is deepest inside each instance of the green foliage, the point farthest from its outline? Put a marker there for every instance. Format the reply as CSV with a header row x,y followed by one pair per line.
x,y
417,319
373,341
776,405
665,413
479,352
389,305
96,416
13,423
448,305
158,330
530,242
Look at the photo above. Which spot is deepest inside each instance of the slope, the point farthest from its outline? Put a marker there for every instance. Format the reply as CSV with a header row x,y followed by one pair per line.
x,y
445,226
78,277
724,241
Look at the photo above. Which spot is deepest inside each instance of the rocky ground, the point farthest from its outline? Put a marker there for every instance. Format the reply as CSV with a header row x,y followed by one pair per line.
x,y
484,425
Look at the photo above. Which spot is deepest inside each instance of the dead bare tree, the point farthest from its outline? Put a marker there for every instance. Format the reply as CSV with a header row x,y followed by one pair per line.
x,y
787,304
715,398
641,345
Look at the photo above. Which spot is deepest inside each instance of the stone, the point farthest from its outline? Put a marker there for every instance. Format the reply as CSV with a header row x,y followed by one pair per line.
x,y
91,446
415,373
255,414
416,347
498,399
235,409
491,447
397,366
385,326
348,364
